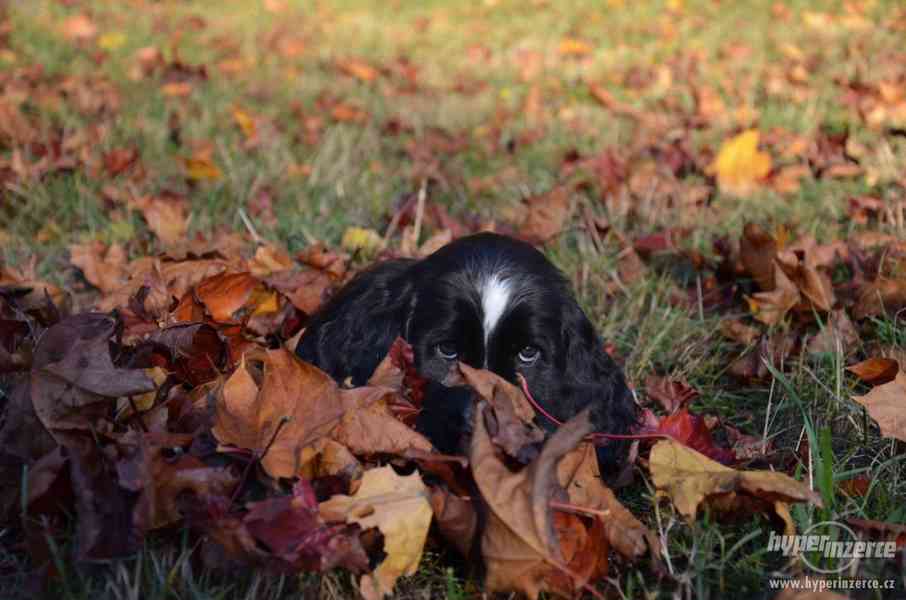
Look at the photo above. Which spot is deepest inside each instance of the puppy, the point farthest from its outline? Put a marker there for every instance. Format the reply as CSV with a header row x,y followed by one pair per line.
x,y
492,302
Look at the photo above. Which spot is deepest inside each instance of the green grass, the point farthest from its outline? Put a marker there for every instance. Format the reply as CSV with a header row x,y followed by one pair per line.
x,y
357,173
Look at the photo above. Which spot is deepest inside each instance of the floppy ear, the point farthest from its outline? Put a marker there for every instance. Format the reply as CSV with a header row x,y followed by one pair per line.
x,y
353,332
591,377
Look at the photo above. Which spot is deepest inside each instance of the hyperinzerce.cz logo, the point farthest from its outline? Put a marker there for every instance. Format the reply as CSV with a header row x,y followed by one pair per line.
x,y
829,547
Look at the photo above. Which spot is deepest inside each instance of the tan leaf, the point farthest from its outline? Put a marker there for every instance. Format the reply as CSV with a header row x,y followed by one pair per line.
x,y
689,479
739,166
238,406
738,331
887,406
400,508
578,473
103,267
546,215
166,217
79,27
771,307
814,285
522,543
880,295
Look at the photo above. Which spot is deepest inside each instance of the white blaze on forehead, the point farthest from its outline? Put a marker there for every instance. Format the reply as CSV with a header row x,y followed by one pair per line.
x,y
495,294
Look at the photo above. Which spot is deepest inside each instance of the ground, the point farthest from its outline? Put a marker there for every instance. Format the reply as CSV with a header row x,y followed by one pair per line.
x,y
292,121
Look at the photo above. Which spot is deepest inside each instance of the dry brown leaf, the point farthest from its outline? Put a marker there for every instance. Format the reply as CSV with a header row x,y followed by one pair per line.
x,y
757,250
875,370
738,331
838,333
689,479
236,408
522,542
887,406
579,474
814,286
298,410
456,518
880,296
400,508
103,267
771,307
166,216
546,215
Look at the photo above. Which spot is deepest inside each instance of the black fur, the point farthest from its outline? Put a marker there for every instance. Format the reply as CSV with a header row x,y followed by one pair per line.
x,y
437,304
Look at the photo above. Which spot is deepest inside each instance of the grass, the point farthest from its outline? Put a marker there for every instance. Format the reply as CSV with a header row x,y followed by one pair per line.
x,y
324,175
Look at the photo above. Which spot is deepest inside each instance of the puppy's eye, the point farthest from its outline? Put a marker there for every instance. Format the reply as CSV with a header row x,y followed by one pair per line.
x,y
447,350
529,354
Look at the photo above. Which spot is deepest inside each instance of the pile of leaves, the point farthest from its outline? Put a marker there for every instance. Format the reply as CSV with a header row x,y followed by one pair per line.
x,y
182,406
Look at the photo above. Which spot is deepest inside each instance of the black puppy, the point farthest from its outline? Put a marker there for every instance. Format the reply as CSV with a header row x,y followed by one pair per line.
x,y
487,300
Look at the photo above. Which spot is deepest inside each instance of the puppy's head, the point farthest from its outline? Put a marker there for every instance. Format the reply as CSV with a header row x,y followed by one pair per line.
x,y
497,303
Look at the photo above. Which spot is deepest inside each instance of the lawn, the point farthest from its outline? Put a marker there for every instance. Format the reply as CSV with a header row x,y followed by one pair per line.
x,y
667,153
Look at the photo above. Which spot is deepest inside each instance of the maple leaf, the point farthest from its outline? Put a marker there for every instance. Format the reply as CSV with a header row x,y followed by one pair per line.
x,y
526,548
74,380
739,165
297,409
689,478
166,217
104,267
672,395
887,405
400,508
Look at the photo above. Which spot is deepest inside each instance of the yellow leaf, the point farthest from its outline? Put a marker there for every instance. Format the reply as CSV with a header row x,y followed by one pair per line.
x,y
574,47
359,238
689,478
399,507
739,165
201,169
112,40
245,122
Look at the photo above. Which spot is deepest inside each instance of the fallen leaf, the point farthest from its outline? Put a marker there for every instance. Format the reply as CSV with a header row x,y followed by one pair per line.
x,y
887,406
361,239
523,543
689,479
739,166
358,69
74,380
104,267
671,394
546,215
166,217
400,508
876,370
200,168
574,47
79,28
